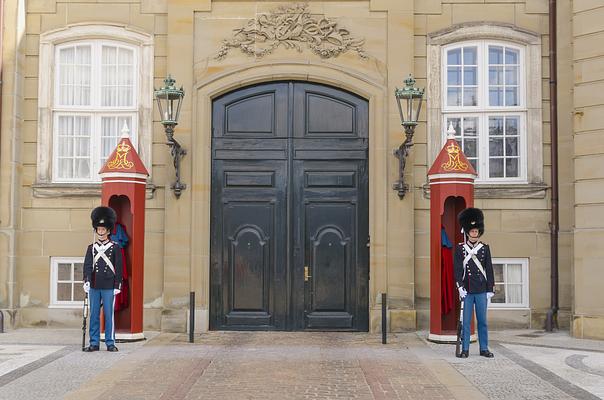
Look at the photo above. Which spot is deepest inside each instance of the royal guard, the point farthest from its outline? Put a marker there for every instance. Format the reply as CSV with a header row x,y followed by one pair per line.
x,y
102,277
474,278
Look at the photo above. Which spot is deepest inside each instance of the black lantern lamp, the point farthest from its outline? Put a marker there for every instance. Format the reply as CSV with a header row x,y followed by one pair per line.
x,y
409,113
169,100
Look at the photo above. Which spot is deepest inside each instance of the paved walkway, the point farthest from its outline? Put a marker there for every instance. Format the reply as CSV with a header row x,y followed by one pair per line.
x,y
38,363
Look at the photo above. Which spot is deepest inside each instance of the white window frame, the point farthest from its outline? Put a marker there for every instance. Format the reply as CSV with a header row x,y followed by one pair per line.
x,y
483,110
54,280
142,125
525,283
532,184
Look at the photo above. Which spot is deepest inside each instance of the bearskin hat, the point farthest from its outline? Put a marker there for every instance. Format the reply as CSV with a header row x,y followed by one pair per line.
x,y
471,218
103,216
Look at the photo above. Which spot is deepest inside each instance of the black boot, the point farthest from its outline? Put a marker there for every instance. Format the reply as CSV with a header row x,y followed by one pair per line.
x,y
90,349
112,348
464,354
486,353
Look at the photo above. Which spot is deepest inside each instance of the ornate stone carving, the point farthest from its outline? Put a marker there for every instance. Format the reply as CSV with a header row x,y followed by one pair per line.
x,y
291,26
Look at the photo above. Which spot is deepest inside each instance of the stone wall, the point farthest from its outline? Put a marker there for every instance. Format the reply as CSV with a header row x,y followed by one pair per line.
x,y
588,99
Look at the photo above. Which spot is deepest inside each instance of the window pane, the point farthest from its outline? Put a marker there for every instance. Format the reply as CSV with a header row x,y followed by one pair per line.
x,y
514,273
474,164
511,56
495,75
454,57
470,76
82,169
65,168
453,96
469,147
511,75
498,272
470,126
454,75
495,126
73,136
78,292
511,146
456,125
117,77
78,271
469,97
499,296
511,126
511,96
495,55
469,55
496,168
496,96
514,294
495,147
64,291
511,168
64,272
74,72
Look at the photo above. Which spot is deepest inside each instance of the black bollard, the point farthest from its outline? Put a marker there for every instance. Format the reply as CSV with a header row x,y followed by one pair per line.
x,y
191,316
1,322
384,322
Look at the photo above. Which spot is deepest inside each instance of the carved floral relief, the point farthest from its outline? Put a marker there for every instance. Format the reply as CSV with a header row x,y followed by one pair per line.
x,y
292,27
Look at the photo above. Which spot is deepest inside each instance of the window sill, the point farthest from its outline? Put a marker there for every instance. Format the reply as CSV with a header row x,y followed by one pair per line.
x,y
75,305
503,191
56,190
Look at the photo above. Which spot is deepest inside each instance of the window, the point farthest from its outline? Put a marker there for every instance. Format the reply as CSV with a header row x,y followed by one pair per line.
x,y
93,78
95,95
66,274
484,101
511,283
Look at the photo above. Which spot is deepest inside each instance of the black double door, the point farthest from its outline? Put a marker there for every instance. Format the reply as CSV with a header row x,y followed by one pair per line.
x,y
289,215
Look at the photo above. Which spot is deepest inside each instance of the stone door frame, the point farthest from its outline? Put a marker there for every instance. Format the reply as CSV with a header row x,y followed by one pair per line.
x,y
206,88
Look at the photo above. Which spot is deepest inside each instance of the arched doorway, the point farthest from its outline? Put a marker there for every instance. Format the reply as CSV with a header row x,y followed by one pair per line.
x,y
289,209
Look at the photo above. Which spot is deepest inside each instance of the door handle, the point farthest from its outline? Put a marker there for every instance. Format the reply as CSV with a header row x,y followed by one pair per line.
x,y
306,273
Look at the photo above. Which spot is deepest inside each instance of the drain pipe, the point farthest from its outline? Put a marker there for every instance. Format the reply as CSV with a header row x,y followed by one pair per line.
x,y
551,320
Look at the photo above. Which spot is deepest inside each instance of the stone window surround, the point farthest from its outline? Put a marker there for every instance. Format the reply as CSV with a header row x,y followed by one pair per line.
x,y
43,186
54,265
525,284
531,42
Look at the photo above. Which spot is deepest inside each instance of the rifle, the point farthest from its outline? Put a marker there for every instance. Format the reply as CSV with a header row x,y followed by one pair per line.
x,y
459,330
84,316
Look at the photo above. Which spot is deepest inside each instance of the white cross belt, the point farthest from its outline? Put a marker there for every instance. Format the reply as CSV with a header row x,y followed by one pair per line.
x,y
100,253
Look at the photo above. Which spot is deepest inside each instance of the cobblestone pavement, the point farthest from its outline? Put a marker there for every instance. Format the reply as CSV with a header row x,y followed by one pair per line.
x,y
299,365
553,367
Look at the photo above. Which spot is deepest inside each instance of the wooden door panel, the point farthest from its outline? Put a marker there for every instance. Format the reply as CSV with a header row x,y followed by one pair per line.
x,y
289,189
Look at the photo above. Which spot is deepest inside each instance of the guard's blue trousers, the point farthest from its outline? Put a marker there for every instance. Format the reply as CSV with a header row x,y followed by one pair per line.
x,y
478,301
95,296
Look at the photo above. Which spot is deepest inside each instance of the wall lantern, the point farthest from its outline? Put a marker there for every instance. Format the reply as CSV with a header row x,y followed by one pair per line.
x,y
409,113
169,100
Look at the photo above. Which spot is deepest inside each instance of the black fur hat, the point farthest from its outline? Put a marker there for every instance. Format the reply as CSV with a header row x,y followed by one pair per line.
x,y
103,216
471,218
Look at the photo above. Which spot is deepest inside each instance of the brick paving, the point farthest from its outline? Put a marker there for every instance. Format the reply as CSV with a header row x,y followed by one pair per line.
x,y
267,365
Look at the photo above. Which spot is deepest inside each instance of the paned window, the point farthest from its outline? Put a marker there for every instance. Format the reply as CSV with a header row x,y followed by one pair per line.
x,y
96,86
66,274
511,283
484,101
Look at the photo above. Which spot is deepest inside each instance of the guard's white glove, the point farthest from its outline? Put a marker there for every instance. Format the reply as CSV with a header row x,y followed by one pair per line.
x,y
116,292
462,292
489,295
86,287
